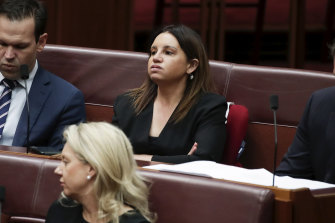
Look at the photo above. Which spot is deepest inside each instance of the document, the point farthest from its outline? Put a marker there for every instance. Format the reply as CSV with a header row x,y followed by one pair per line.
x,y
232,173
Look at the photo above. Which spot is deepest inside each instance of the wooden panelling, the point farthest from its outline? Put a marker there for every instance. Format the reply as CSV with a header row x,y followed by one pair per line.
x,y
259,151
100,24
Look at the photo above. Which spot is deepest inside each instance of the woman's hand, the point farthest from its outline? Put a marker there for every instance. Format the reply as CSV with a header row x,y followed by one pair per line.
x,y
193,149
144,157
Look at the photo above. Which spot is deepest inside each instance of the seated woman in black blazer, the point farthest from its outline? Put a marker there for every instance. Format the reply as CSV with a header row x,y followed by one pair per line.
x,y
174,116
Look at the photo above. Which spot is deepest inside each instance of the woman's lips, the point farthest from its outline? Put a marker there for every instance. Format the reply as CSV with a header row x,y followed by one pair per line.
x,y
155,68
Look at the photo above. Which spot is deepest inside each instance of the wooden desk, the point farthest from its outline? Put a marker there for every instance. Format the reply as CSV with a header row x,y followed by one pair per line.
x,y
304,206
13,149
22,151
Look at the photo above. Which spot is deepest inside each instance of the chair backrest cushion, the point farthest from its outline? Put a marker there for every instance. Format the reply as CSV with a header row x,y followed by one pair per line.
x,y
237,124
31,185
183,198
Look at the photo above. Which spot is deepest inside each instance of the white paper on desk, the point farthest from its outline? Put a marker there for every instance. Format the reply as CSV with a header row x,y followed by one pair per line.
x,y
238,174
287,182
219,171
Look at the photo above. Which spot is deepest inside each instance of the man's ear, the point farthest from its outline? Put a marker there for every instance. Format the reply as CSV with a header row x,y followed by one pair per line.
x,y
41,42
192,66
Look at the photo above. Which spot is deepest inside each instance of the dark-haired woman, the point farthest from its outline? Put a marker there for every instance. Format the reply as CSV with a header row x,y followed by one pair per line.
x,y
174,116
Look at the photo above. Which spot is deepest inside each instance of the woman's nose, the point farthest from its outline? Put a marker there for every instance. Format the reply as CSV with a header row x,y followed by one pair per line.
x,y
58,170
157,57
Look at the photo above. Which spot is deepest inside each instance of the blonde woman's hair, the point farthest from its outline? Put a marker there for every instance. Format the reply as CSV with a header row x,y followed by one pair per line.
x,y
108,150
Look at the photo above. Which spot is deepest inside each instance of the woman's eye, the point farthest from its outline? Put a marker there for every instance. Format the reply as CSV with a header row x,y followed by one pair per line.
x,y
65,162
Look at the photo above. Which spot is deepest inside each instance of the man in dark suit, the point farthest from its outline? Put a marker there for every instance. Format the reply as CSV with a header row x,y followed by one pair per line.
x,y
54,103
312,153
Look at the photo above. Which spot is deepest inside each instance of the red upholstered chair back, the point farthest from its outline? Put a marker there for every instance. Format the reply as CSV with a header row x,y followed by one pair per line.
x,y
31,187
237,124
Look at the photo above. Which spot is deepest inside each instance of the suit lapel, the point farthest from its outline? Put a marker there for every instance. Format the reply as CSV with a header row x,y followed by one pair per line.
x,y
38,94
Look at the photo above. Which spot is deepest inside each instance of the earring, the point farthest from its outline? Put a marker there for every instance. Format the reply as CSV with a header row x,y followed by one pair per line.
x,y
191,76
88,177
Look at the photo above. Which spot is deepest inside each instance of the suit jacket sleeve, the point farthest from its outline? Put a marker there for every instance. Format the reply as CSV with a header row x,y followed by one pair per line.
x,y
73,112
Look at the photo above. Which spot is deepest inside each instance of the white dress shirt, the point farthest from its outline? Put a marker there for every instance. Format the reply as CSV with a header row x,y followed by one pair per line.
x,y
16,107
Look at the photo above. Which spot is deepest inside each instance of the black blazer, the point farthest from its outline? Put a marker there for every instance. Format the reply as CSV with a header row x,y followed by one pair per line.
x,y
204,124
312,153
58,213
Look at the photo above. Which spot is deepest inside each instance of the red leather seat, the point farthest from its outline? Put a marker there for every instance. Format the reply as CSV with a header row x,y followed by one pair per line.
x,y
237,124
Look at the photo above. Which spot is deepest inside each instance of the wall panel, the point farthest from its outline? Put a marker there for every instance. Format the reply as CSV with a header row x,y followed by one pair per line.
x,y
100,24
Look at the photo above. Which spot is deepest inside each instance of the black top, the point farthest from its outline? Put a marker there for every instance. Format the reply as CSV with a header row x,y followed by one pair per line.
x,y
204,124
60,214
312,153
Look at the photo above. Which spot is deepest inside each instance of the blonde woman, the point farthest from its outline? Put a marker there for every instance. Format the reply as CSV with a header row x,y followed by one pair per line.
x,y
99,178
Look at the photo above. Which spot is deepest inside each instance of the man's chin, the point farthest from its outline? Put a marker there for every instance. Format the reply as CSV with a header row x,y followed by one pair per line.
x,y
10,75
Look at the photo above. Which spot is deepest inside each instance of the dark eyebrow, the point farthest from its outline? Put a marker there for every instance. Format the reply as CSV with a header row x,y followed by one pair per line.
x,y
168,46
165,47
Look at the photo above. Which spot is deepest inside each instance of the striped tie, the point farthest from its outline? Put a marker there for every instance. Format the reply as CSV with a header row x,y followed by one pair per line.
x,y
5,101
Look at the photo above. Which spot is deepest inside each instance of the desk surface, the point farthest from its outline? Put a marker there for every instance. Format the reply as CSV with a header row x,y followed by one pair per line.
x,y
22,151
